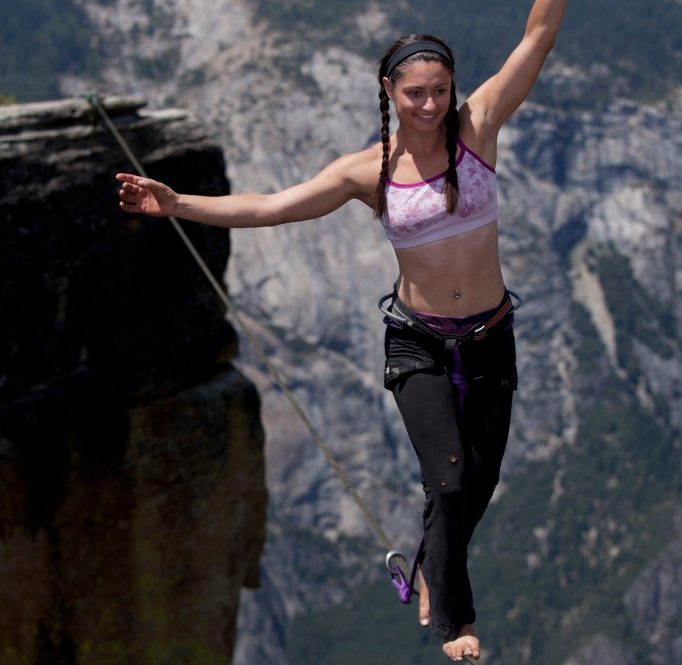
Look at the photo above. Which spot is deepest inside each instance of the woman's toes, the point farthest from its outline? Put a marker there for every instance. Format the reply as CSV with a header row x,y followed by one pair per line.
x,y
424,616
465,644
453,650
424,607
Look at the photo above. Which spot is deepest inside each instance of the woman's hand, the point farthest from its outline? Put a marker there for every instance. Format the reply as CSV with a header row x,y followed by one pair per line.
x,y
147,196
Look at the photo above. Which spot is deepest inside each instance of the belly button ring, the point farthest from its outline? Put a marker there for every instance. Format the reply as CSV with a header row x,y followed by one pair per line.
x,y
458,295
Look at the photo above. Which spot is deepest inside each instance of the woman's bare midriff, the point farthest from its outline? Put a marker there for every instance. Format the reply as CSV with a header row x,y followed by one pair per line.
x,y
456,276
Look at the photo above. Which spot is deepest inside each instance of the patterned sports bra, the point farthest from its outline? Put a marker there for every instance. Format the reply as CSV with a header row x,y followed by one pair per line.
x,y
416,214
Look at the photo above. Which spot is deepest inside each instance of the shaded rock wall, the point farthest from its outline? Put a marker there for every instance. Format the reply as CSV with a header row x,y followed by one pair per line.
x,y
133,498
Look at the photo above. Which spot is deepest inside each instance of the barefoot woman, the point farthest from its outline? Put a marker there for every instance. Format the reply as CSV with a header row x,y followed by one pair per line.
x,y
432,186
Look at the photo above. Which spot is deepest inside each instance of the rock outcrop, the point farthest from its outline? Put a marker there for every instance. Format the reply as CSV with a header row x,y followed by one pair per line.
x,y
131,465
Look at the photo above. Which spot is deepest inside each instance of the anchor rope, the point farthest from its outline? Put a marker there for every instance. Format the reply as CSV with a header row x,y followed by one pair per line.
x,y
233,311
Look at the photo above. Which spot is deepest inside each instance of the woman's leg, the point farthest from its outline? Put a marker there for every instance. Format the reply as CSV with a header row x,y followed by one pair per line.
x,y
460,460
485,428
427,403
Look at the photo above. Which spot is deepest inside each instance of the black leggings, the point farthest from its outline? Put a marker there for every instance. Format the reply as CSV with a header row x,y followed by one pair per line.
x,y
460,441
460,463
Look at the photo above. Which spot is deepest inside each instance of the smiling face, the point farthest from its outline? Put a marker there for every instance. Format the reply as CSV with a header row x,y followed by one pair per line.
x,y
421,95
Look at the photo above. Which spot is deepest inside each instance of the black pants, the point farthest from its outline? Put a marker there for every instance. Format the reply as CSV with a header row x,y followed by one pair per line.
x,y
459,441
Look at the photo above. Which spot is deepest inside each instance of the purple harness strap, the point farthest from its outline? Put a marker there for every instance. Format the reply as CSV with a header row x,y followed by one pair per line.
x,y
460,327
399,580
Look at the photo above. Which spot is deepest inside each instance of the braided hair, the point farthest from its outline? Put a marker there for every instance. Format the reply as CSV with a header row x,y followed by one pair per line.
x,y
451,118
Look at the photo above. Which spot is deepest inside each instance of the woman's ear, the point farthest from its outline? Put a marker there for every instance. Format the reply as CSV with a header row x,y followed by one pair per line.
x,y
387,86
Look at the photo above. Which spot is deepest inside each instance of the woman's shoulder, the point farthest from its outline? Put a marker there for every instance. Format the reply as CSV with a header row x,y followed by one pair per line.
x,y
475,133
367,160
361,168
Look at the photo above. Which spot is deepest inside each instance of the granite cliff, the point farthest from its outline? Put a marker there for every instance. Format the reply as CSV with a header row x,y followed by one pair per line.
x,y
131,462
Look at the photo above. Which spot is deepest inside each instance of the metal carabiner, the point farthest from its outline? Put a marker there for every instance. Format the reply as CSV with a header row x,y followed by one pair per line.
x,y
398,578
390,556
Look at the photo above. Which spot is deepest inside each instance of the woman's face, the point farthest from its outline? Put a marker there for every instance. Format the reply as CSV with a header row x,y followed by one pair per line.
x,y
421,95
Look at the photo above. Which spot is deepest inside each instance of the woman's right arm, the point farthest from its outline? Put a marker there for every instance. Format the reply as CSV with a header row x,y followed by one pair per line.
x,y
346,178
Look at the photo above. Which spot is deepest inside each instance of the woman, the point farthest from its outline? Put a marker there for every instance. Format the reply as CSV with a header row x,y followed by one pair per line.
x,y
449,341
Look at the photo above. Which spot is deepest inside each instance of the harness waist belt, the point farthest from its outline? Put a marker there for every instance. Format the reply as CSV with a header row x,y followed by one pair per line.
x,y
400,313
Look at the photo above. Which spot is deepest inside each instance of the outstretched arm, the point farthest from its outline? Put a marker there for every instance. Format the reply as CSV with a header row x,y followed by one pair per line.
x,y
495,100
328,190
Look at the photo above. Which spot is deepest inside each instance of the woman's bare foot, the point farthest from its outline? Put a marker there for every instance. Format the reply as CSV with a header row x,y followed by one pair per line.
x,y
465,644
424,608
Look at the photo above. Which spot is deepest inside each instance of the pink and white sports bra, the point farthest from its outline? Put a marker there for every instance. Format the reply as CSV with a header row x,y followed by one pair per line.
x,y
416,214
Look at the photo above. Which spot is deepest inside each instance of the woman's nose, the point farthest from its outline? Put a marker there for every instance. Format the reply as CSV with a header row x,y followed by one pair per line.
x,y
429,104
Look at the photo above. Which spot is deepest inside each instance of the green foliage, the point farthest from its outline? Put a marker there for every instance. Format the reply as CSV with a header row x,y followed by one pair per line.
x,y
612,513
590,346
639,41
636,313
315,20
635,40
40,40
635,44
373,628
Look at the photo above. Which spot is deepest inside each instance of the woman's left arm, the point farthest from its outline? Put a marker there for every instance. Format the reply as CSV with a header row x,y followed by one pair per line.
x,y
494,101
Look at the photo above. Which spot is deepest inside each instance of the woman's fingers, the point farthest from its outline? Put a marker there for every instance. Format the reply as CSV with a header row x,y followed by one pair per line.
x,y
134,179
128,196
129,188
144,195
126,177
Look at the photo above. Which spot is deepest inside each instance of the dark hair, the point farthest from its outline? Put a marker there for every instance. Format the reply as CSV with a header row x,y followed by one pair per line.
x,y
451,118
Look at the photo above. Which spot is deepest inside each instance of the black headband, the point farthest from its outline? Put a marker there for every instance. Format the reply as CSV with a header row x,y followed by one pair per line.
x,y
415,47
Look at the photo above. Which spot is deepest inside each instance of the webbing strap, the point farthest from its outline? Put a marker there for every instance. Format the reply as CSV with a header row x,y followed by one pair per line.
x,y
478,331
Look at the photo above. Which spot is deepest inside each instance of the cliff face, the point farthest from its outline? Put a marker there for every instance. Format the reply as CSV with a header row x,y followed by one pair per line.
x,y
131,462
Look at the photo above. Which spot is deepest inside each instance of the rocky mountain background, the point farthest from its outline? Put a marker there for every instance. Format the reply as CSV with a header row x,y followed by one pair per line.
x,y
580,557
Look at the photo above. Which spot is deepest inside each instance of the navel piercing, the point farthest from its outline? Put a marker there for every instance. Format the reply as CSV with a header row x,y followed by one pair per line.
x,y
458,295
